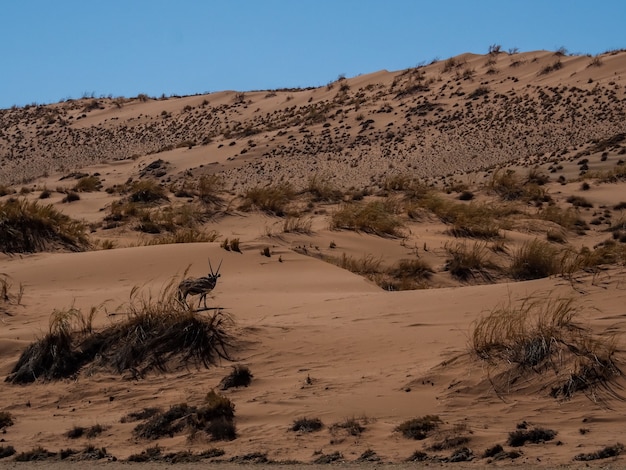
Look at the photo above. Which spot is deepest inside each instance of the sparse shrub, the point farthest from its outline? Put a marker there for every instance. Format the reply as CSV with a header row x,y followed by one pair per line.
x,y
411,269
520,437
376,217
34,455
418,428
266,251
306,425
321,189
240,376
271,199
154,333
352,426
6,451
579,201
6,419
534,260
328,458
297,225
568,218
27,227
540,335
184,235
605,453
146,191
234,245
70,196
368,264
88,184
465,262
144,414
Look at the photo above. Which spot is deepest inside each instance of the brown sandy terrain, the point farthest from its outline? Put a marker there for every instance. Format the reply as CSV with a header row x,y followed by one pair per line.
x,y
361,326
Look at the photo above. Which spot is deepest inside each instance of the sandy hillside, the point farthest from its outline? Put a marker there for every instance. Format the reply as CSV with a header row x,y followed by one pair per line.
x,y
427,264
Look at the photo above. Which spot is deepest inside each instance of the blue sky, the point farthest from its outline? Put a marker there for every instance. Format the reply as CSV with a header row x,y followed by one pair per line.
x,y
53,50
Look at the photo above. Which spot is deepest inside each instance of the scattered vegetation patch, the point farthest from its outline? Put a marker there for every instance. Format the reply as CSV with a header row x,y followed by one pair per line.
x,y
469,262
240,376
605,453
215,418
156,332
329,458
28,227
306,425
6,419
418,428
6,451
497,452
88,184
540,338
534,260
34,455
89,433
271,199
352,426
375,217
521,437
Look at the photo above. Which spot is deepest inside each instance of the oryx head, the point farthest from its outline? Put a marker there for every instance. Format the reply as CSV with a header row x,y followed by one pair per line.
x,y
216,274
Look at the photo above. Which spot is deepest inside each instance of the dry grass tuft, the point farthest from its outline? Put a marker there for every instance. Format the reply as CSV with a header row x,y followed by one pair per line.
x,y
418,428
375,217
469,262
28,227
534,260
271,199
156,333
541,336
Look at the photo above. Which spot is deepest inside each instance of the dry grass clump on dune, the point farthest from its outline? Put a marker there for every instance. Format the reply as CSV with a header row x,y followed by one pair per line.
x,y
215,417
27,227
470,262
155,334
272,199
534,260
375,217
541,336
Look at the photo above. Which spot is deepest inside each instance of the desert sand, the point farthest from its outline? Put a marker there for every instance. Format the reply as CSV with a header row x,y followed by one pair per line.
x,y
322,341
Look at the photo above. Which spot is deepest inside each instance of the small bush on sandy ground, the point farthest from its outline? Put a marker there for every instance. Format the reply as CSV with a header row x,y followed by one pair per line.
x,y
297,225
6,451
351,426
469,262
89,433
520,437
605,453
418,428
540,337
88,184
6,419
184,235
146,191
28,227
566,218
306,425
156,333
375,217
534,260
8,294
214,417
271,199
34,455
321,189
240,376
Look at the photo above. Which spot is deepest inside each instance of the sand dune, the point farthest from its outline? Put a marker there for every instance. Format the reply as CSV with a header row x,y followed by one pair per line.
x,y
319,313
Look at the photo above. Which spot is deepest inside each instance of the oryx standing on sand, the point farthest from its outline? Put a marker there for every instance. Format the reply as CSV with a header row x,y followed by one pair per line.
x,y
198,286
